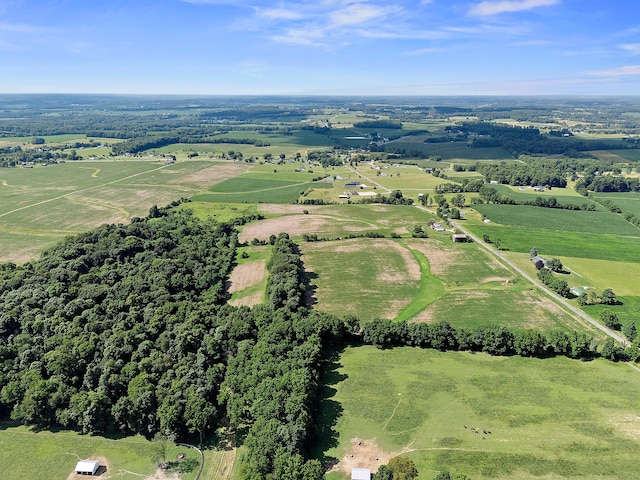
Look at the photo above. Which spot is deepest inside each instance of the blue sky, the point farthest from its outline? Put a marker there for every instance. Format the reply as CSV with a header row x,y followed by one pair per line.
x,y
325,47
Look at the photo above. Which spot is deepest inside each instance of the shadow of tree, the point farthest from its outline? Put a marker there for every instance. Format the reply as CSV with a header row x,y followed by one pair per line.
x,y
328,411
310,299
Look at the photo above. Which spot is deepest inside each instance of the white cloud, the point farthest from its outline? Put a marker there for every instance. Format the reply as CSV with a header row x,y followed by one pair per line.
x,y
279,13
360,13
633,48
491,7
618,72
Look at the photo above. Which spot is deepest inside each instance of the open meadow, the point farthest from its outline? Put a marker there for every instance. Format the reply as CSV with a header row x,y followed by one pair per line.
x,y
486,417
53,455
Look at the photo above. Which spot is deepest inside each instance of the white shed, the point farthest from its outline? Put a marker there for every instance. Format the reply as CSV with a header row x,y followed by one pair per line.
x,y
360,474
87,467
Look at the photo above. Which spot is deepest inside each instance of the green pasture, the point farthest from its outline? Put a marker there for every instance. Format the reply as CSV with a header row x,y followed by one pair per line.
x,y
560,244
553,418
28,454
628,201
403,177
558,220
221,212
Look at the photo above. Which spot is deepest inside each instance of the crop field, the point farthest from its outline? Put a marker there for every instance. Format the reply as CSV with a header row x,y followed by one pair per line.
x,y
369,278
332,221
42,205
560,244
556,219
247,282
628,202
257,190
552,418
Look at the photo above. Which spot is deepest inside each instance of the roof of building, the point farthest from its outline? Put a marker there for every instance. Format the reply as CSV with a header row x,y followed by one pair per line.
x,y
360,474
87,466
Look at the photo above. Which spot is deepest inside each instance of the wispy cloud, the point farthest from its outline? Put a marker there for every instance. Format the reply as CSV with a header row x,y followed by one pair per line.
x,y
279,13
490,7
618,72
633,48
423,51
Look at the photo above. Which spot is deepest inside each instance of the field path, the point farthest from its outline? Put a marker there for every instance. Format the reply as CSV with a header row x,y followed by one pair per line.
x,y
553,295
49,200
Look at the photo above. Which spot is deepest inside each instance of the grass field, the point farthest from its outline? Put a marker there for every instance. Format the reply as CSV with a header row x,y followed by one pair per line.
x,y
558,220
54,455
560,244
554,418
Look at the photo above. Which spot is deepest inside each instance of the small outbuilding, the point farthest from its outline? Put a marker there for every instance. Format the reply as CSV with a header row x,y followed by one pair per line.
x,y
87,467
459,238
360,474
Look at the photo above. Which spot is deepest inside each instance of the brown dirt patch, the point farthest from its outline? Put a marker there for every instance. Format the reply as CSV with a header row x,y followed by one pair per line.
x,y
216,173
410,272
103,472
162,475
503,280
247,301
425,316
247,275
627,424
286,209
439,258
296,225
362,454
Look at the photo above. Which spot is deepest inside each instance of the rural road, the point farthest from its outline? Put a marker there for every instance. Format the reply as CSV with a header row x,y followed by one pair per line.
x,y
558,298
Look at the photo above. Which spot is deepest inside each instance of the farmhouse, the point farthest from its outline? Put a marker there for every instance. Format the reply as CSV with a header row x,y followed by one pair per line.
x,y
87,467
360,474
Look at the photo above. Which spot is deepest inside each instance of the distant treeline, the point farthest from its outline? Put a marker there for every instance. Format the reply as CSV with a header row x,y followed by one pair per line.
x,y
137,145
519,141
489,194
372,124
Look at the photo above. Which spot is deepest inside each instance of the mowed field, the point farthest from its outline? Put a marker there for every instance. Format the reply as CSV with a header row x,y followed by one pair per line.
x,y
42,205
553,418
28,454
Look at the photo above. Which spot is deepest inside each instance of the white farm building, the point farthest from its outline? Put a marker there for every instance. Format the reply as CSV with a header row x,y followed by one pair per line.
x,y
87,467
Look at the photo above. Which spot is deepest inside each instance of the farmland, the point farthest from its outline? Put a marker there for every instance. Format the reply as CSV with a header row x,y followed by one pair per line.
x,y
546,417
50,203
551,418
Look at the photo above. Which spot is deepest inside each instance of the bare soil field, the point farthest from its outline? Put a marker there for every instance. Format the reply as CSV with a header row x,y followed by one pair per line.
x,y
296,225
208,176
362,454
